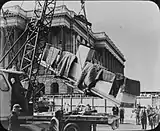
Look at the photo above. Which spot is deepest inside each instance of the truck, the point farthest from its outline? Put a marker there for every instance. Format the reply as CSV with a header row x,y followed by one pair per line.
x,y
33,53
67,121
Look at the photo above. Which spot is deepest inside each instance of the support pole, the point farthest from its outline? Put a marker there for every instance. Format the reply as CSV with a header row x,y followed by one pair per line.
x,y
62,102
105,105
71,103
92,102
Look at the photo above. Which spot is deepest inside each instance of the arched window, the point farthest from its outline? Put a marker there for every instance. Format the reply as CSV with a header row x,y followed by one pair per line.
x,y
54,88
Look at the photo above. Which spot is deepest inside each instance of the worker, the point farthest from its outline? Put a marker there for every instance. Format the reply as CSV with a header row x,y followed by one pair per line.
x,y
14,123
87,110
121,115
13,75
18,95
42,103
115,110
143,116
152,118
88,107
41,98
137,111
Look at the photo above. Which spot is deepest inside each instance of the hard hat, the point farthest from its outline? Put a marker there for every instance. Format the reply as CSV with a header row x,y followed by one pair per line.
x,y
16,107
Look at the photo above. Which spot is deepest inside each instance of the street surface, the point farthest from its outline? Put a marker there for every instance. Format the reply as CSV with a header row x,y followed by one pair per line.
x,y
128,125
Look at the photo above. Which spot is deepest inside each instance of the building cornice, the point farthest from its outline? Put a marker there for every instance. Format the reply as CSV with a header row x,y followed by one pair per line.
x,y
63,16
13,21
102,44
101,36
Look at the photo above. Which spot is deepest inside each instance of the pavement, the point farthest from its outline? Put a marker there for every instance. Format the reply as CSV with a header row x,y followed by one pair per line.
x,y
127,126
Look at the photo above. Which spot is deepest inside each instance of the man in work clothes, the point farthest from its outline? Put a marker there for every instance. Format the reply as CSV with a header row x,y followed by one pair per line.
x,y
121,115
144,118
14,123
115,110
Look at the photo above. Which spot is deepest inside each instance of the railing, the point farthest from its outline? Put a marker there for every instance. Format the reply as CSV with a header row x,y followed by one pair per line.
x,y
60,100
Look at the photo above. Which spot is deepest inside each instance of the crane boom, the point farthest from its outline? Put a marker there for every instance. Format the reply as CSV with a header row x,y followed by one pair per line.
x,y
37,36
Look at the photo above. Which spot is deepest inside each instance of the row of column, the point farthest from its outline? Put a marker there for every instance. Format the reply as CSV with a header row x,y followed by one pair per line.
x,y
3,47
105,58
69,41
64,38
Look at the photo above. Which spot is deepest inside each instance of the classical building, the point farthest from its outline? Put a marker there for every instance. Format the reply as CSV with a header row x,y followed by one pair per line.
x,y
67,34
151,98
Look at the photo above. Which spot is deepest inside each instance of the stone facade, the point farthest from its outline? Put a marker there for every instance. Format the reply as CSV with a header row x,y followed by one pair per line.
x,y
67,34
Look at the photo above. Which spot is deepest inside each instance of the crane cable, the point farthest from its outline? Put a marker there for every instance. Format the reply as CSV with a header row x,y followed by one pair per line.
x,y
48,64
22,3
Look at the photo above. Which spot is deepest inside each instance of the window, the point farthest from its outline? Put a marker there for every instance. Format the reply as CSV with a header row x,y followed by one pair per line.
x,y
3,84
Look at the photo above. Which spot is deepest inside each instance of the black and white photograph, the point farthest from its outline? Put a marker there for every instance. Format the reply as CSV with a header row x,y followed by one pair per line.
x,y
79,65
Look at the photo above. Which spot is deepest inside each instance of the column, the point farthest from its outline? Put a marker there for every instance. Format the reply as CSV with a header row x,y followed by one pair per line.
x,y
17,47
54,38
74,42
70,42
111,62
107,59
50,36
114,65
119,67
109,67
62,38
2,43
104,58
77,42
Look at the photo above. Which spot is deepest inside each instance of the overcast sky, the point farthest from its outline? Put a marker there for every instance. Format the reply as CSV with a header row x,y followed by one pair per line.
x,y
134,27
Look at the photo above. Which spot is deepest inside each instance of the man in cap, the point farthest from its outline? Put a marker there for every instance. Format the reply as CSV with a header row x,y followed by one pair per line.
x,y
18,95
144,118
14,123
115,110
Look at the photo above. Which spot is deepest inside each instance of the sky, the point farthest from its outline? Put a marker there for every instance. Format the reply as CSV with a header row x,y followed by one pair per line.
x,y
133,26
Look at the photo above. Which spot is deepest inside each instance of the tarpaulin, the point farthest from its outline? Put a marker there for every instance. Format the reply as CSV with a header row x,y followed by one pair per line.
x,y
132,87
117,83
105,75
65,63
93,73
88,76
125,97
103,86
102,90
50,54
84,54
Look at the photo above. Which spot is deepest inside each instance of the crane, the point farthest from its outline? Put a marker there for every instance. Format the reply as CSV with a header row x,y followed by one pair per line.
x,y
37,31
37,36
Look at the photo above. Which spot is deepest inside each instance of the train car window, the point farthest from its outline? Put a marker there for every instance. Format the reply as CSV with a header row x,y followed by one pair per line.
x,y
3,84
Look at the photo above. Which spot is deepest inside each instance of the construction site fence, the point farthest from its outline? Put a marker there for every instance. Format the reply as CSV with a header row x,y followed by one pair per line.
x,y
101,105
